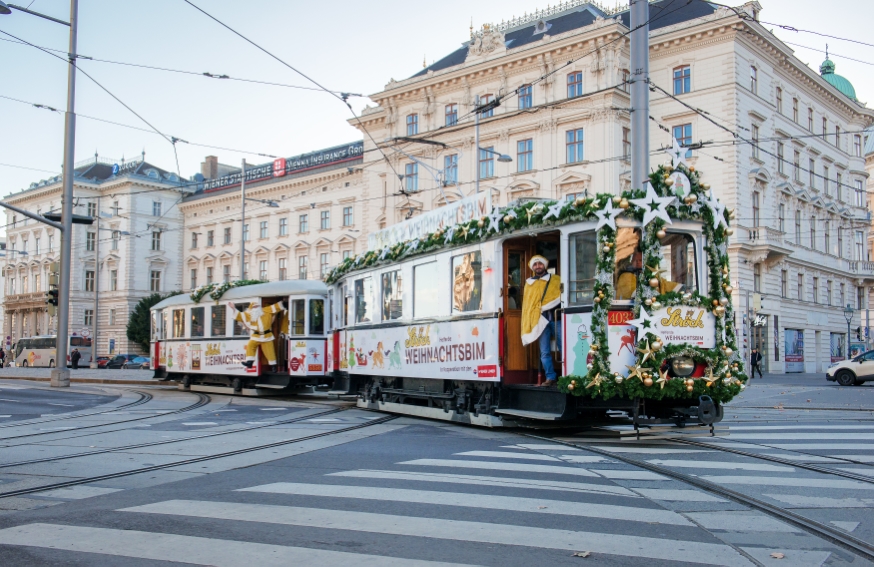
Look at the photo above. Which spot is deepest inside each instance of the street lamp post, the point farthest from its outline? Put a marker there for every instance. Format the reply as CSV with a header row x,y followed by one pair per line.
x,y
60,374
848,315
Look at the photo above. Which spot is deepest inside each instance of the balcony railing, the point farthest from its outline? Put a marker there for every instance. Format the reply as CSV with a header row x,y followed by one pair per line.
x,y
859,267
765,235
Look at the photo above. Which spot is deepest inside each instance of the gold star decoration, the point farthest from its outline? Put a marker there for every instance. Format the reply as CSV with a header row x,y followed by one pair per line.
x,y
635,372
657,271
646,352
530,212
595,382
710,377
464,231
663,378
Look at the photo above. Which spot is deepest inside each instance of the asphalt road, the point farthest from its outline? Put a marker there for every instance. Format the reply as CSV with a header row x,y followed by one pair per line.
x,y
353,490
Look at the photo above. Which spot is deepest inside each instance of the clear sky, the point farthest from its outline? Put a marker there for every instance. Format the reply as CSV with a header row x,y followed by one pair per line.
x,y
349,46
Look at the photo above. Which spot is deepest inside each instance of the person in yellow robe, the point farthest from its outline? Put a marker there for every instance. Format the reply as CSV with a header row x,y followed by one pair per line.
x,y
259,321
541,298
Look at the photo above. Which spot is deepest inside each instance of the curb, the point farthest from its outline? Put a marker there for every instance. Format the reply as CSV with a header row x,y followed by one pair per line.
x,y
92,380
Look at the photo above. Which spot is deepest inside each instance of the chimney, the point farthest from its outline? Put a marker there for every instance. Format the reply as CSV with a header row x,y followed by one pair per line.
x,y
209,168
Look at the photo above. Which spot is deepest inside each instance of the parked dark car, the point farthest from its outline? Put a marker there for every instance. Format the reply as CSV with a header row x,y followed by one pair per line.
x,y
119,360
102,361
138,363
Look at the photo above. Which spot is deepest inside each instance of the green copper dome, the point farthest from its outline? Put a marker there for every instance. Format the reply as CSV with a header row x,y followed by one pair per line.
x,y
827,70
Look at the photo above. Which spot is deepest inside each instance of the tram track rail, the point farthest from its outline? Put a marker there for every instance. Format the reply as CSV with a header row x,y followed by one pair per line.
x,y
203,399
193,460
145,397
853,544
169,441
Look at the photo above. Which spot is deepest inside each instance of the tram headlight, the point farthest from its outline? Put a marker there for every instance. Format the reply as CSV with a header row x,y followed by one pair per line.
x,y
682,366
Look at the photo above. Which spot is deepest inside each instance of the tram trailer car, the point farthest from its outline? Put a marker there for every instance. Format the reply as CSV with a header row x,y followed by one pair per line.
x,y
437,333
196,341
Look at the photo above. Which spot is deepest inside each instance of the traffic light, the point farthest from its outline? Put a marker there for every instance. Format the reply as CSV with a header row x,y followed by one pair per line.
x,y
52,301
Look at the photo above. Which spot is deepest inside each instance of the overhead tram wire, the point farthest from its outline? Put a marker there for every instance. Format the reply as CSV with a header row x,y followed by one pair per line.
x,y
342,97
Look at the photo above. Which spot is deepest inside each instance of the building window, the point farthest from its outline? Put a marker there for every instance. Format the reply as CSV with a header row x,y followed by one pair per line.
x,y
411,177
840,244
825,184
90,239
210,238
841,293
155,280
283,269
89,318
755,140
246,271
682,80
857,145
525,100
303,224
525,155
348,216
757,278
325,220
827,237
226,273
116,235
194,240
810,119
450,169
324,264
209,275
798,227
283,227
574,145
860,297
156,240
24,245
860,246
483,101
89,281
816,290
828,292
781,217
156,208
837,136
51,244
860,193
451,114
784,283
262,270
575,84
302,267
813,232
113,280
227,235
262,229
412,124
754,80
796,166
780,158
795,110
112,317
246,232
193,278
347,254
839,186
779,100
824,127
626,143
755,233
486,163
92,210
683,134
811,172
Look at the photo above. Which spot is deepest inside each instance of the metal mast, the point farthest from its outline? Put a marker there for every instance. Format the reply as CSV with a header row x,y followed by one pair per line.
x,y
639,92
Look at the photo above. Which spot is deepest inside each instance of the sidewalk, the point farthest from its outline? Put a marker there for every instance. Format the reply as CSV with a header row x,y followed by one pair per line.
x,y
84,376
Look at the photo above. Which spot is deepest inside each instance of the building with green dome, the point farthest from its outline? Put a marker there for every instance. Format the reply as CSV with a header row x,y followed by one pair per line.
x,y
827,70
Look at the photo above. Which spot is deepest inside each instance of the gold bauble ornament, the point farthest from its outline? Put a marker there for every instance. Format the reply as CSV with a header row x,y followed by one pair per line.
x,y
597,300
647,381
657,346
723,301
623,204
618,379
690,388
594,347
729,231
606,249
728,289
481,223
507,219
590,366
656,305
570,386
728,351
719,311
580,201
669,181
687,201
661,234
715,302
648,302
693,198
728,374
617,200
653,282
691,169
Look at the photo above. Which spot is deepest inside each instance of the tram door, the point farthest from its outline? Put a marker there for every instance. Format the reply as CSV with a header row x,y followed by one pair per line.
x,y
521,363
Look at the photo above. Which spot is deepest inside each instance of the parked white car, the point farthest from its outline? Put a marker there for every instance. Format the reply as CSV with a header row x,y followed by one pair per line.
x,y
852,372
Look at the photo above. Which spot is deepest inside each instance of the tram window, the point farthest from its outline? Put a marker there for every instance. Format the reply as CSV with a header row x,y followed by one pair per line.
x,y
363,300
240,329
165,327
344,293
317,316
467,282
679,263
298,316
218,315
197,321
391,295
584,254
178,323
629,262
425,282
154,322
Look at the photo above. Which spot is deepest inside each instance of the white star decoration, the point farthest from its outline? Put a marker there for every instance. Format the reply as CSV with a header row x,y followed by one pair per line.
x,y
607,216
645,324
384,253
718,210
677,153
494,218
554,211
447,236
653,206
413,244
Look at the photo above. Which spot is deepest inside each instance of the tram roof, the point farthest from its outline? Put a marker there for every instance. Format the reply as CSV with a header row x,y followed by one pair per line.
x,y
285,287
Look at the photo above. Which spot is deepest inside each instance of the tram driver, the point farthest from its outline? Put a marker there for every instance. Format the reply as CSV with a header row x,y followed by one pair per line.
x,y
541,298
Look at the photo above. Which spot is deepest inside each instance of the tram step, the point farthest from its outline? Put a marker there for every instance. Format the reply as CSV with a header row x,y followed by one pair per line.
x,y
526,414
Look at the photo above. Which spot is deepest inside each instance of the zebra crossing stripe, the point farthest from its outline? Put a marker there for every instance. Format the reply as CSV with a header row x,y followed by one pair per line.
x,y
625,545
533,468
790,481
508,503
724,465
189,549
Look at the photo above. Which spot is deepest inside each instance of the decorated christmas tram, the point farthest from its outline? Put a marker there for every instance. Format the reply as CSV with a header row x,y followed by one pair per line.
x,y
242,337
545,311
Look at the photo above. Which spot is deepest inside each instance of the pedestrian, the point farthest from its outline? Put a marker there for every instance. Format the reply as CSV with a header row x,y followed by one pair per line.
x,y
2,357
74,358
755,363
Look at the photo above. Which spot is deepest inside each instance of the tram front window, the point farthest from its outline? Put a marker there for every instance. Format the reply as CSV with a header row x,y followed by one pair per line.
x,y
629,263
298,315
317,316
584,253
679,263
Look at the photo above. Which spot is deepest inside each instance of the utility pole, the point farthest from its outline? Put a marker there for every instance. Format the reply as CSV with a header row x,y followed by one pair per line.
x,y
96,318
243,223
476,139
639,92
